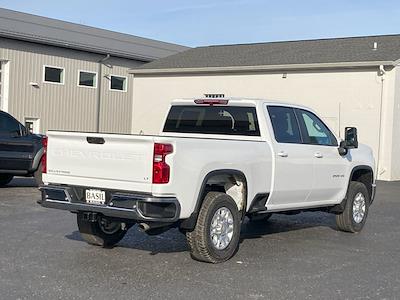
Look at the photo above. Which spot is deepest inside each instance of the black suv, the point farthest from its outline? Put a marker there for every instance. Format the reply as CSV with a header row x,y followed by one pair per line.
x,y
20,151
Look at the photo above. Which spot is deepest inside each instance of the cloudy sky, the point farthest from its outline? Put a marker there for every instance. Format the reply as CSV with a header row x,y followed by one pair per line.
x,y
205,22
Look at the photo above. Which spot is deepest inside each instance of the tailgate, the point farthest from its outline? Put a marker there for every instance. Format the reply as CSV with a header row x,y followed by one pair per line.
x,y
110,161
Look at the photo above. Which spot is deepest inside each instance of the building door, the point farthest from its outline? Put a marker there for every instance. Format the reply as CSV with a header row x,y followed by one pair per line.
x,y
4,85
32,125
1,81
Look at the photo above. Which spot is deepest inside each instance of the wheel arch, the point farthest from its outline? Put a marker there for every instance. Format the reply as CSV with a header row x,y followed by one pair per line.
x,y
37,159
189,224
365,175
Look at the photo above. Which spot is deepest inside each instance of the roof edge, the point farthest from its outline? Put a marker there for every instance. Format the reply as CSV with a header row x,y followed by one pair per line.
x,y
232,69
65,44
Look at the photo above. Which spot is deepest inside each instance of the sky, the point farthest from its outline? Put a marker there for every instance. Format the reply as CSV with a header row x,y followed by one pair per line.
x,y
207,22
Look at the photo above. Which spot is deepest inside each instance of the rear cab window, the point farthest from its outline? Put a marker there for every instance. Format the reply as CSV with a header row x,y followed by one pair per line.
x,y
228,120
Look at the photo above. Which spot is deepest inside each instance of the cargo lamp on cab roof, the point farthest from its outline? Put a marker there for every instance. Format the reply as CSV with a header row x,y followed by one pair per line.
x,y
211,102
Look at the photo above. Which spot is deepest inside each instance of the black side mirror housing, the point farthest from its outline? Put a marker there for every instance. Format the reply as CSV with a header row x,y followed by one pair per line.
x,y
350,137
342,148
350,140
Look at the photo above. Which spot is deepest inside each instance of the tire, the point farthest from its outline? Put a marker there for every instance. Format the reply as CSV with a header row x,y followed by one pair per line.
x,y
38,175
94,233
5,179
260,217
349,221
217,206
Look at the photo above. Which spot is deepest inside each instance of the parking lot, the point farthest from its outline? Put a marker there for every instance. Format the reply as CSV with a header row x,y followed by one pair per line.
x,y
300,256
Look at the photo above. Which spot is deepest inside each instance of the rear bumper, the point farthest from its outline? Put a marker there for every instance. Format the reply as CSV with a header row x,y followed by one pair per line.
x,y
122,205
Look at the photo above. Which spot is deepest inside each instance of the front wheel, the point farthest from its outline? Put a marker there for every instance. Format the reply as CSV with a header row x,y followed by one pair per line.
x,y
5,179
102,232
215,237
354,216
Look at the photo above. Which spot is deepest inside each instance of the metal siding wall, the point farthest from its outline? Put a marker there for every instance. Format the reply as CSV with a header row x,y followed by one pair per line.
x,y
68,106
116,106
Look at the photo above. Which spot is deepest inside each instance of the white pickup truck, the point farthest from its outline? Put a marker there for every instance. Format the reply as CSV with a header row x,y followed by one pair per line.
x,y
214,162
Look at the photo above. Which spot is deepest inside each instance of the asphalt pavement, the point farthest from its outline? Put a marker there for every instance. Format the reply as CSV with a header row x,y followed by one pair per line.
x,y
288,257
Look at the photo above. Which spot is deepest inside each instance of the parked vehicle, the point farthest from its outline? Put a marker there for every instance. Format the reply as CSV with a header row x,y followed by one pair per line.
x,y
214,162
20,151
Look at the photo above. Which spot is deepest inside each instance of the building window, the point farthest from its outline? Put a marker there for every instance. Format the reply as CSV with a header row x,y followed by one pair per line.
x,y
118,83
53,75
87,79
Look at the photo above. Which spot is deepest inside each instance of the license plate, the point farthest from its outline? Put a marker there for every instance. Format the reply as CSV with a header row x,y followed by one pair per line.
x,y
95,197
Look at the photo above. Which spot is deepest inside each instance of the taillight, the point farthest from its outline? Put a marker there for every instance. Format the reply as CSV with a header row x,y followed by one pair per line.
x,y
44,156
161,169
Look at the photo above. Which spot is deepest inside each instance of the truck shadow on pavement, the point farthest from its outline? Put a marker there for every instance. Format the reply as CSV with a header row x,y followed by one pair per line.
x,y
286,223
19,182
174,241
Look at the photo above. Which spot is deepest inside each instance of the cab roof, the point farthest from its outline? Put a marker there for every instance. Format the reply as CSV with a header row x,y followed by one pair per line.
x,y
235,101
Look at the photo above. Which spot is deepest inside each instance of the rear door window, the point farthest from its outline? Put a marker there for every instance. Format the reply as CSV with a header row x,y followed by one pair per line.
x,y
285,125
229,120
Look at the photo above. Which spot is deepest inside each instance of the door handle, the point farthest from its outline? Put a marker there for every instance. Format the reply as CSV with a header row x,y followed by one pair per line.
x,y
318,155
282,154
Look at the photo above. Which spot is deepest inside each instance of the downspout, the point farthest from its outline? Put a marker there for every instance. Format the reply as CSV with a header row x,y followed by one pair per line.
x,y
99,81
381,73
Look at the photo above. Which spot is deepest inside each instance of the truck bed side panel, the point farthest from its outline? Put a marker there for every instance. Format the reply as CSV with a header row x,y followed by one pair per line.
x,y
194,158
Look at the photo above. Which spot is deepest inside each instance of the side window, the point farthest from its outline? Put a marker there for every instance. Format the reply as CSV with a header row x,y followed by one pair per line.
x,y
9,126
314,131
118,83
285,125
53,75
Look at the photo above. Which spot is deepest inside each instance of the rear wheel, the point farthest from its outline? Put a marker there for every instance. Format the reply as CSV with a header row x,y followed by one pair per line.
x,y
354,216
102,232
215,237
5,179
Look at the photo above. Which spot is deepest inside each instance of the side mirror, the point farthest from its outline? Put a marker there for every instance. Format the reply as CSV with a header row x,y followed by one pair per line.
x,y
350,137
350,140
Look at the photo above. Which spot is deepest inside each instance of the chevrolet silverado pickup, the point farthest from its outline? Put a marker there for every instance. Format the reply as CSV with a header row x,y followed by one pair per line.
x,y
214,162
20,151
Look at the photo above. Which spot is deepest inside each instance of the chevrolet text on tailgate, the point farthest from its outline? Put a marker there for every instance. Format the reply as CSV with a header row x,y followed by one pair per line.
x,y
215,162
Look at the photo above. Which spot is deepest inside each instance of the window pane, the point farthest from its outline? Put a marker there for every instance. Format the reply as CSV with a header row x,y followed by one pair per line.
x,y
53,75
285,125
314,130
87,79
118,83
232,120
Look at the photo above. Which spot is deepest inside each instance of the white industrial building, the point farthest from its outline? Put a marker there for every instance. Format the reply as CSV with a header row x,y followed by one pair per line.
x,y
65,76
349,81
